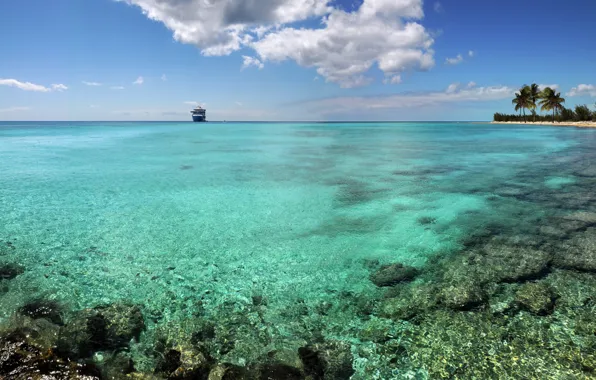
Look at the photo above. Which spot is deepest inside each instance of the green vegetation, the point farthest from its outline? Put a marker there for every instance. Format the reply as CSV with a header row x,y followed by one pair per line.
x,y
530,98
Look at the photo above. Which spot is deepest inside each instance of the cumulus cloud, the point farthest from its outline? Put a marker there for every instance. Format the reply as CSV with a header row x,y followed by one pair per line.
x,y
139,81
14,109
59,87
453,94
342,48
26,86
221,27
471,53
471,84
349,44
454,61
117,87
395,79
96,84
452,88
583,90
251,61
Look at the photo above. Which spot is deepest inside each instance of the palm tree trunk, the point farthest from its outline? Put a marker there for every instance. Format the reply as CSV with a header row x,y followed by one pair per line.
x,y
524,111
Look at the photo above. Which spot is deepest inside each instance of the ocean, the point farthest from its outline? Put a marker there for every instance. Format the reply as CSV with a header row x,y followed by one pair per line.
x,y
244,240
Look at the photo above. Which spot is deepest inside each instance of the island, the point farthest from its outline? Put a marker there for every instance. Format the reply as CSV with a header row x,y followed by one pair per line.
x,y
531,97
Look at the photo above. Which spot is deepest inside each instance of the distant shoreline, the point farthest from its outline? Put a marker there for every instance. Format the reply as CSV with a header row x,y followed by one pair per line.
x,y
579,124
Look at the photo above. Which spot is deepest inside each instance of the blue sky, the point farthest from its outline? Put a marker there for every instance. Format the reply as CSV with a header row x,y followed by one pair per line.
x,y
289,59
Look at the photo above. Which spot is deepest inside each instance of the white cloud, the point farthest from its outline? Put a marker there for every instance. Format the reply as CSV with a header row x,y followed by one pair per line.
x,y
117,87
92,83
349,44
14,109
59,87
471,84
452,88
251,61
164,77
93,106
583,90
471,53
27,86
221,27
438,7
395,79
453,94
139,81
543,86
454,61
342,49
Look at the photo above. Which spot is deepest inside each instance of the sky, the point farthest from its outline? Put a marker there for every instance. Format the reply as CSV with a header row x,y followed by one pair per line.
x,y
289,59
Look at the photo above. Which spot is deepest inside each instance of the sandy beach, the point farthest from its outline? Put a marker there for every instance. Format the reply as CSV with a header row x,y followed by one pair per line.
x,y
579,124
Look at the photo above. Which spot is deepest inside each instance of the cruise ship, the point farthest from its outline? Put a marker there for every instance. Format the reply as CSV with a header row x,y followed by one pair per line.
x,y
199,114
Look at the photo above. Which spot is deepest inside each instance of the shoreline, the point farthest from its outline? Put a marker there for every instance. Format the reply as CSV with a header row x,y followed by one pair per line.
x,y
579,124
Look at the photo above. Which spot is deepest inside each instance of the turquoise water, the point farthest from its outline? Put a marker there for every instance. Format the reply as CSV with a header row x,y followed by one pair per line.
x,y
182,218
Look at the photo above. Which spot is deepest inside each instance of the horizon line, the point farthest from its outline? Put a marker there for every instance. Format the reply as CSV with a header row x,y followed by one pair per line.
x,y
245,121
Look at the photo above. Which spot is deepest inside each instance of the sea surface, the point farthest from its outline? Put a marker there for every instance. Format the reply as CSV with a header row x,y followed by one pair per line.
x,y
272,231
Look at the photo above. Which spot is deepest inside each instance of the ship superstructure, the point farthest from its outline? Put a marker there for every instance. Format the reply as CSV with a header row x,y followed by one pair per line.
x,y
199,114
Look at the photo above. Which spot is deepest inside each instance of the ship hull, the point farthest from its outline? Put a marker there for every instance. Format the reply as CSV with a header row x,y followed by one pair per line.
x,y
198,119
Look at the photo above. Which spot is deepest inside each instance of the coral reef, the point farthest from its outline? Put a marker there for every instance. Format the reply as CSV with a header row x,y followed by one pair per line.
x,y
536,297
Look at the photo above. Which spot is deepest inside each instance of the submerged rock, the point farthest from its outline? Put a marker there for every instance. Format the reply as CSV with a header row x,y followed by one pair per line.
x,y
589,171
114,365
101,328
578,253
41,333
262,372
8,271
586,217
331,360
20,360
393,274
406,302
426,220
464,295
185,362
285,357
46,309
511,264
536,297
231,372
496,262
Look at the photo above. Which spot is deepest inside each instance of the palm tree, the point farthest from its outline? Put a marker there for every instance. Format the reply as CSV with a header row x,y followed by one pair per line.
x,y
523,100
551,100
534,96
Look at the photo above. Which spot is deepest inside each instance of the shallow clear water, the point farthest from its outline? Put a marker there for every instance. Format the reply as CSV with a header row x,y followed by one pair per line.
x,y
164,214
